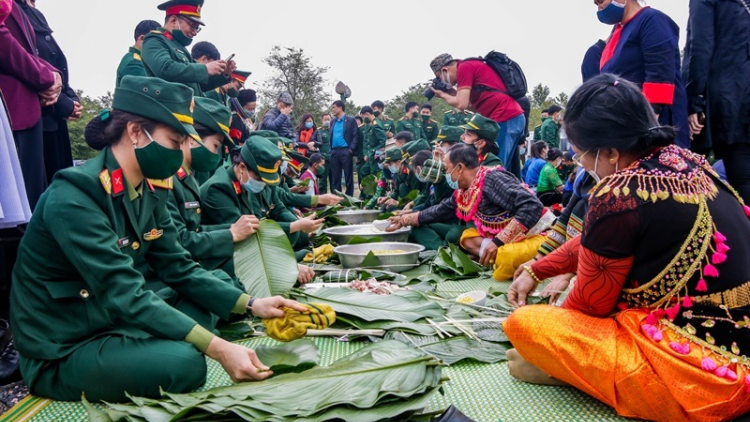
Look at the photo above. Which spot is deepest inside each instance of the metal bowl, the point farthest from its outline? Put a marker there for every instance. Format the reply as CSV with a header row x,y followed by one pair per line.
x,y
358,216
351,256
343,234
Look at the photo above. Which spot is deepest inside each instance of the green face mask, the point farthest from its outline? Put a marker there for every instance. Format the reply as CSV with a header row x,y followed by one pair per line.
x,y
425,118
376,113
233,93
203,159
368,120
181,38
415,115
156,161
320,171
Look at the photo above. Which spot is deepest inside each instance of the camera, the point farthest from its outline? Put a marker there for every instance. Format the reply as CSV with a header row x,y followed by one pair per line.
x,y
438,84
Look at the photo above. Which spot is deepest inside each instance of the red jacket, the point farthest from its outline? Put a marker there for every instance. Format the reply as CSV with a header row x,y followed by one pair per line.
x,y
23,75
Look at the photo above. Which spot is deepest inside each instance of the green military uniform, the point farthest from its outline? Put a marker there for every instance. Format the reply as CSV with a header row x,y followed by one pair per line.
x,y
406,181
217,94
225,200
457,118
363,169
210,245
538,130
551,133
131,64
79,308
488,130
407,124
389,125
431,129
325,150
373,141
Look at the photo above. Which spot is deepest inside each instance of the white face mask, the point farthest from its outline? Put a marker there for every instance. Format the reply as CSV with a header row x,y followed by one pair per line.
x,y
446,77
593,173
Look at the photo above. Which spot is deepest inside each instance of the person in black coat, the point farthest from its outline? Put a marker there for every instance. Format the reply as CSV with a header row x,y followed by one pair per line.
x,y
344,143
717,66
57,151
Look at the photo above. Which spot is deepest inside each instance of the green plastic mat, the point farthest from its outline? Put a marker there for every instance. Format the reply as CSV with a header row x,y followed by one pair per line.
x,y
485,393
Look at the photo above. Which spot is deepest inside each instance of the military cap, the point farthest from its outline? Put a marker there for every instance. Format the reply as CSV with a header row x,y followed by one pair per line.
x,y
487,129
262,157
413,147
213,115
241,76
288,143
394,154
265,134
433,171
156,99
449,134
440,62
286,98
405,135
190,9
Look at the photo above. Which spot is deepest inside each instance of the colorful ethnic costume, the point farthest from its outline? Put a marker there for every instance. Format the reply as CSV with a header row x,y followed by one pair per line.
x,y
497,203
656,324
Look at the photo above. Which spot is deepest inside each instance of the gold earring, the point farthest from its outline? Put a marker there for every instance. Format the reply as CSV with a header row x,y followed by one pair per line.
x,y
612,161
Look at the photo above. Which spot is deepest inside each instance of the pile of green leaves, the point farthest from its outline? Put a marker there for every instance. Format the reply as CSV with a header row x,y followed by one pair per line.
x,y
385,380
350,201
452,264
454,349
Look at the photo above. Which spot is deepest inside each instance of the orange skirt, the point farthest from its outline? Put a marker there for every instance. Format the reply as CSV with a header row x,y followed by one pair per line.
x,y
612,360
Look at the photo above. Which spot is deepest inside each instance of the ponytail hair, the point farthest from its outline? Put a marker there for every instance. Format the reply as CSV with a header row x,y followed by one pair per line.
x,y
610,112
106,129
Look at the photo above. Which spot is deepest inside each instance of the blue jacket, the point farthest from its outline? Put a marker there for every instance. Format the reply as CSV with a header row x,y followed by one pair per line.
x,y
535,168
278,122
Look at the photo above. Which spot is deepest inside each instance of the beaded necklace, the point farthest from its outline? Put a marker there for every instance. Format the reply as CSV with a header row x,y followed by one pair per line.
x,y
468,200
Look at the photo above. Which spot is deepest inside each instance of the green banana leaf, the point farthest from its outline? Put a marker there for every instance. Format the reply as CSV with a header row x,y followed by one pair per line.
x,y
295,356
408,198
451,350
385,216
420,327
369,185
387,380
371,261
350,201
401,306
327,211
265,262
358,240
235,331
450,261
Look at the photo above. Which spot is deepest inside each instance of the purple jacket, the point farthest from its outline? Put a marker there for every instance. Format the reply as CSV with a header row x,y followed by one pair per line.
x,y
22,75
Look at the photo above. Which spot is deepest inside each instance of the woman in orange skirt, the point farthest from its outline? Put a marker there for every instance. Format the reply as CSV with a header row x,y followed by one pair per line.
x,y
657,323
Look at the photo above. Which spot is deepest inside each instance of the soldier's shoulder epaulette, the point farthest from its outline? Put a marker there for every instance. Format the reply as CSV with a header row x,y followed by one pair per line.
x,y
167,183
137,56
401,119
448,112
537,126
434,121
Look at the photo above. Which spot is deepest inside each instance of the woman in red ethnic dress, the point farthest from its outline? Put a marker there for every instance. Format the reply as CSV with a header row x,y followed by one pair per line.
x,y
656,324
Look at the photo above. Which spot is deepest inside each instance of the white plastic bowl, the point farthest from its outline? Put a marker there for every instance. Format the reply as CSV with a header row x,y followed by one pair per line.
x,y
477,297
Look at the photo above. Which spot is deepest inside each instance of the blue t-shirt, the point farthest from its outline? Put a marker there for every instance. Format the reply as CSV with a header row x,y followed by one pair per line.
x,y
337,134
535,168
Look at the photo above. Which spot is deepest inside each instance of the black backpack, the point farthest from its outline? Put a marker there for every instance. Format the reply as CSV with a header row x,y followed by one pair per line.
x,y
509,71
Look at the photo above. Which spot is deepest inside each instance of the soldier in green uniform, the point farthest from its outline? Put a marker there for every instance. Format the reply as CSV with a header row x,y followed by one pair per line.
x,y
165,54
550,131
243,116
411,122
378,110
248,187
373,141
325,150
429,126
359,154
482,133
405,179
131,63
83,321
538,128
232,89
292,195
457,117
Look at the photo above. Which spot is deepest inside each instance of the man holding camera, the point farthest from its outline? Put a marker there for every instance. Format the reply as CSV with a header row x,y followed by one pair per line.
x,y
477,85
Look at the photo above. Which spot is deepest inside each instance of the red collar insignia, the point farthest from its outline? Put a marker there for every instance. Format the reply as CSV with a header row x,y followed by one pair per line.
x,y
181,173
168,35
118,182
237,187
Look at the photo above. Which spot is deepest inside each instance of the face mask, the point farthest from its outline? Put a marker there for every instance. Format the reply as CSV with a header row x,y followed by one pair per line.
x,y
368,120
320,171
253,186
326,123
425,118
181,38
233,93
393,169
203,159
612,14
445,149
415,115
523,151
309,125
376,113
156,161
420,178
381,166
449,179
250,114
592,173
284,166
445,77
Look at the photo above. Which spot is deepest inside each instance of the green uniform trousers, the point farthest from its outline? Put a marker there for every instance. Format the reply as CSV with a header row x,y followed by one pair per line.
x,y
436,235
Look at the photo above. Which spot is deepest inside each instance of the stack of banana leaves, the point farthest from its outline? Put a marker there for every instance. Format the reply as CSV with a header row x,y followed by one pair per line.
x,y
383,381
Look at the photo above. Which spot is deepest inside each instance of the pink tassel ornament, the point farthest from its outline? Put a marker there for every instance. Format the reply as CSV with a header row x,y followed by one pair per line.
x,y
710,271
718,258
731,375
721,371
683,349
657,336
709,365
722,248
701,287
687,302
746,209
673,311
652,319
719,238
747,384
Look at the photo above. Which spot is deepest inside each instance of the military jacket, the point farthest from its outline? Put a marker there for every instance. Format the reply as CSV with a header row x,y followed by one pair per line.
x,y
374,138
457,118
411,125
431,130
131,64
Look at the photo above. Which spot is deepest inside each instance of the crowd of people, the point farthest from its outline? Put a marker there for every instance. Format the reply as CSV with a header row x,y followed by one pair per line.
x,y
130,257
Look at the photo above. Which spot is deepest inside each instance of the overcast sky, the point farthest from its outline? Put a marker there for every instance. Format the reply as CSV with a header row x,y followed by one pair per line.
x,y
377,48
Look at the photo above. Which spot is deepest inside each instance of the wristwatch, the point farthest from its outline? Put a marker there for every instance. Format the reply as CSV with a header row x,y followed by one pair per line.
x,y
250,305
497,242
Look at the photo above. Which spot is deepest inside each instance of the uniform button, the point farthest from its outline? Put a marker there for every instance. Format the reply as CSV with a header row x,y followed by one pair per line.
x,y
198,211
84,293
135,246
198,230
48,38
